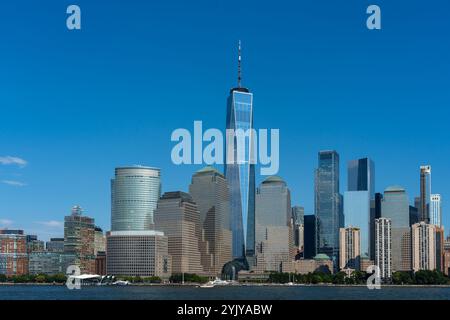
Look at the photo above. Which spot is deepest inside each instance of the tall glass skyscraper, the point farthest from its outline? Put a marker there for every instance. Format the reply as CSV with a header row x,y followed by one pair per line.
x,y
328,204
425,193
359,202
361,176
134,195
239,172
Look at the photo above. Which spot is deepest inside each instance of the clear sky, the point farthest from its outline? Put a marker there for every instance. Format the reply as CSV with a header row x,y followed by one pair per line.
x,y
76,104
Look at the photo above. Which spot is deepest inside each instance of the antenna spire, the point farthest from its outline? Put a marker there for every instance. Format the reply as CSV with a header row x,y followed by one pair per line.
x,y
239,65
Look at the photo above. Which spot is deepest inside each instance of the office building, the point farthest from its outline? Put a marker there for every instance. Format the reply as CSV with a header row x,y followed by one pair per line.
x,y
13,253
375,213
100,263
240,169
357,214
425,193
209,190
383,247
34,244
350,248
328,205
79,236
436,210
310,237
439,245
395,206
55,245
137,253
298,223
50,263
135,192
177,215
423,246
99,241
274,233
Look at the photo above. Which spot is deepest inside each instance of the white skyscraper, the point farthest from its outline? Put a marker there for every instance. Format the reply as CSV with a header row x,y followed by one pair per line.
x,y
435,210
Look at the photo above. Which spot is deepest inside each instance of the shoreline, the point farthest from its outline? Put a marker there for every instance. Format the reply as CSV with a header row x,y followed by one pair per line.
x,y
323,285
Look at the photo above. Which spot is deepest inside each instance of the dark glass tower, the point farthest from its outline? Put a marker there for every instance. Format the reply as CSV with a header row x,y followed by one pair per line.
x,y
328,205
241,174
361,176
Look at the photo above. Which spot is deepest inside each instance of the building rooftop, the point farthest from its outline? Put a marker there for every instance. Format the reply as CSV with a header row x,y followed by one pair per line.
x,y
273,179
395,188
208,169
321,256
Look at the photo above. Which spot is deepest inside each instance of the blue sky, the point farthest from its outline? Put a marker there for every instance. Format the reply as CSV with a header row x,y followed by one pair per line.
x,y
76,104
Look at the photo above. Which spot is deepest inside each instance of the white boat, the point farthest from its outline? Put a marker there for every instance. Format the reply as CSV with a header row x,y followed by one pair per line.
x,y
209,284
121,283
219,282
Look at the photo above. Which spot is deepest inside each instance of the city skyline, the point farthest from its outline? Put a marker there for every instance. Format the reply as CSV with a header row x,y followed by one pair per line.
x,y
70,141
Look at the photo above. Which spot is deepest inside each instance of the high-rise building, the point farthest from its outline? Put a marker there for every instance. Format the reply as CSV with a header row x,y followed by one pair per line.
x,y
34,244
361,176
436,210
209,190
350,248
99,241
298,223
375,213
357,214
447,256
360,211
79,234
239,169
439,245
423,246
310,236
13,253
413,215
55,245
395,206
383,247
328,204
425,193
135,192
274,236
177,215
137,253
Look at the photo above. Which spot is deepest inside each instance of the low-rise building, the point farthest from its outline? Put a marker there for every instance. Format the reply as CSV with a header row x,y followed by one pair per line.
x,y
320,263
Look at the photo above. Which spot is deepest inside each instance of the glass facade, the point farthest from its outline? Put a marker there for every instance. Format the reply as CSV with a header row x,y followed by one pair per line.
x,y
357,213
361,176
328,204
134,195
240,173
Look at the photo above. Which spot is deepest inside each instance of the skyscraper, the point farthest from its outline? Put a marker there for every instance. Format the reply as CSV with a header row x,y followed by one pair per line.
x,y
274,236
134,194
177,215
395,206
209,189
350,248
79,237
423,246
310,246
239,170
359,211
328,204
425,193
298,214
436,210
361,176
383,247
357,214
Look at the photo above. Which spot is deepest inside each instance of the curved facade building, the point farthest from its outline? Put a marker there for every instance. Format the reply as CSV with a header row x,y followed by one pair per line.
x,y
134,195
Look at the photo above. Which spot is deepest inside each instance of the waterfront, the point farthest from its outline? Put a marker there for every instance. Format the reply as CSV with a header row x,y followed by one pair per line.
x,y
57,292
